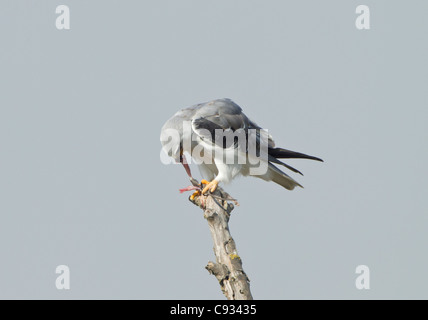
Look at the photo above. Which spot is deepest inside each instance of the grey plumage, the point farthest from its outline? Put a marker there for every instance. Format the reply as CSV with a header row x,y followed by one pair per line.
x,y
206,121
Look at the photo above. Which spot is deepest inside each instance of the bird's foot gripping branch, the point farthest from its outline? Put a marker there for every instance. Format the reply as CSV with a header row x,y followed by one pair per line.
x,y
201,193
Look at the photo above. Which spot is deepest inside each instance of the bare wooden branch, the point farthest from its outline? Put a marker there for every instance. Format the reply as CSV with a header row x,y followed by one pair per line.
x,y
228,266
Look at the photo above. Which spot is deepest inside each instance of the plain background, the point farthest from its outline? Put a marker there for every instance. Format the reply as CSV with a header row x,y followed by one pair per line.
x,y
81,182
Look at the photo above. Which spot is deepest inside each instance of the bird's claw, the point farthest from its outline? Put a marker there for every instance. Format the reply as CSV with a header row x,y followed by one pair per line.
x,y
194,195
203,188
209,186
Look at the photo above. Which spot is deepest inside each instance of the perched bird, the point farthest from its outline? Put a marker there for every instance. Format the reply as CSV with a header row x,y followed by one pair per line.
x,y
215,130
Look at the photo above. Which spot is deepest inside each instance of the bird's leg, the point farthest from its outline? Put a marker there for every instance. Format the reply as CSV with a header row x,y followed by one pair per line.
x,y
209,186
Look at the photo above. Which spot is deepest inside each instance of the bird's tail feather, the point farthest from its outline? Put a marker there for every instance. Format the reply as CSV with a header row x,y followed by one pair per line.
x,y
276,175
281,178
275,160
288,154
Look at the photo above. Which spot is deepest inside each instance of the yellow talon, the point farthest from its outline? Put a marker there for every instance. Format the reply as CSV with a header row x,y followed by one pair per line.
x,y
211,186
194,195
203,181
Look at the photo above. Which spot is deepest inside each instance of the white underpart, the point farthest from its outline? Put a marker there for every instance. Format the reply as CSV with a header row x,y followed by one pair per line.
x,y
223,165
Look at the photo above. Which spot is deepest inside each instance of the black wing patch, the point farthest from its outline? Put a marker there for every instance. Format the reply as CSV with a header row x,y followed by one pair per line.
x,y
225,138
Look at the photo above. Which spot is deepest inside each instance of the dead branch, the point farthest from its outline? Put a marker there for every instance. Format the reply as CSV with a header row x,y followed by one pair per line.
x,y
228,266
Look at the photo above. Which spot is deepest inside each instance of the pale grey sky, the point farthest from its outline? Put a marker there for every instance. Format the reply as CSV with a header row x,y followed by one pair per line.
x,y
82,185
